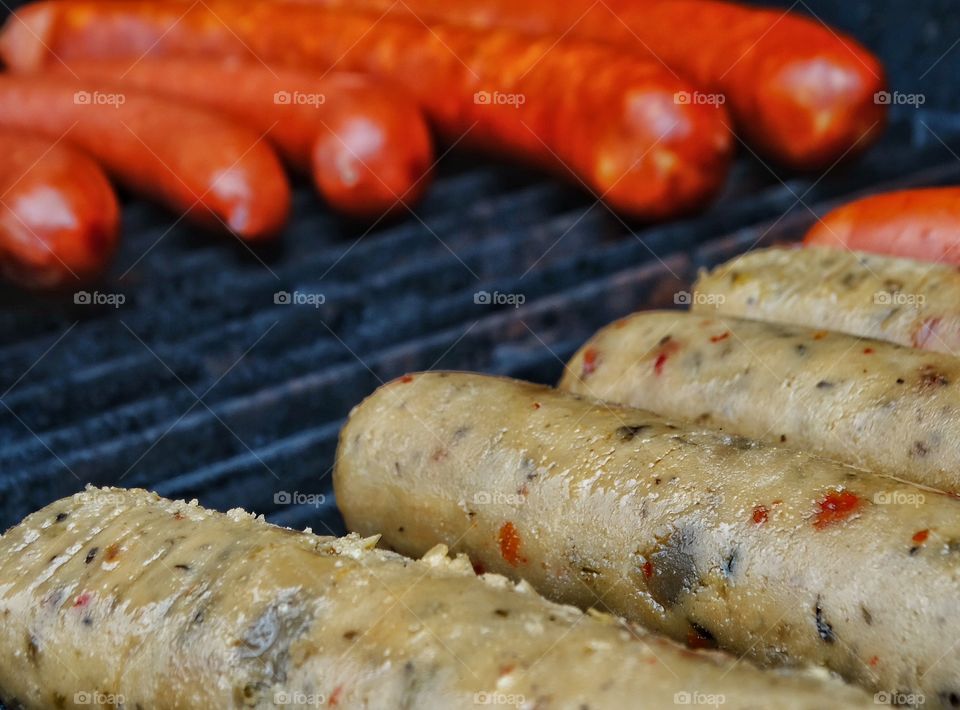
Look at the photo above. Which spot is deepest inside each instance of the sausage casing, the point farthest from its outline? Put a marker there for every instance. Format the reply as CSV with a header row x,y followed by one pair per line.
x,y
59,217
907,302
366,144
123,597
864,402
609,119
922,223
194,162
774,553
802,93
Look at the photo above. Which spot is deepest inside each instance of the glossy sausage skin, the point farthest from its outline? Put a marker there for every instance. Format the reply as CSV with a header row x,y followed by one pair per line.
x,y
611,120
192,161
777,555
59,218
801,93
903,301
869,403
366,144
162,604
919,224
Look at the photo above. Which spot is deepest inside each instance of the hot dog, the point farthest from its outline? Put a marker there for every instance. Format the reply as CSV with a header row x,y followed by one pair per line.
x,y
801,93
917,224
124,598
193,161
610,119
366,144
907,302
59,216
772,553
865,402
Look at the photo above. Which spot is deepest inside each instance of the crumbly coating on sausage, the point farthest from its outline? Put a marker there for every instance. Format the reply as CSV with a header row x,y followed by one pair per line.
x,y
131,599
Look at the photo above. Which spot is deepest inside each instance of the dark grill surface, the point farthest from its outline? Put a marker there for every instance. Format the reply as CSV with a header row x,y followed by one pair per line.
x,y
200,385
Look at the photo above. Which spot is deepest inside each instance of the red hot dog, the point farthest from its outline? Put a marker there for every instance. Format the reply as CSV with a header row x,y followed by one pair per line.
x,y
801,93
366,144
58,214
193,161
612,120
919,224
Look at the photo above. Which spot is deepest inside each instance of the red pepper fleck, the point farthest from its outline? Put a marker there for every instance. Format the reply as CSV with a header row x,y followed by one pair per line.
x,y
478,568
647,569
620,323
835,507
591,358
335,696
536,405
82,600
718,338
820,335
507,670
178,515
112,553
509,540
760,514
921,537
406,378
874,661
438,455
868,351
668,349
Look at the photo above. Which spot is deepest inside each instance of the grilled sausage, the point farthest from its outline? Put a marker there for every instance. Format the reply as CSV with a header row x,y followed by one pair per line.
x,y
59,217
126,597
902,301
919,224
366,144
609,119
775,554
194,162
801,93
864,402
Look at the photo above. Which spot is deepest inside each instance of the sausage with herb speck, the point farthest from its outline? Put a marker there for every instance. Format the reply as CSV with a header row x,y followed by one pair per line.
x,y
772,553
868,403
182,607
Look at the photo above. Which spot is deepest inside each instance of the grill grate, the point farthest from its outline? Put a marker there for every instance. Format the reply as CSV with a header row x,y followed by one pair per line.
x,y
110,395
